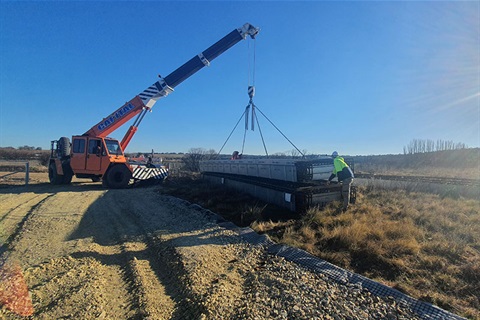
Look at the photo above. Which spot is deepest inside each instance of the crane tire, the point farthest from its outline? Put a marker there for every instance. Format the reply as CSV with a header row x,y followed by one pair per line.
x,y
67,172
118,176
53,175
64,146
67,179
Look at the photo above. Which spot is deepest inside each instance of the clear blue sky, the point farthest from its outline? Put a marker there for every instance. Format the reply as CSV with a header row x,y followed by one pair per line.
x,y
357,77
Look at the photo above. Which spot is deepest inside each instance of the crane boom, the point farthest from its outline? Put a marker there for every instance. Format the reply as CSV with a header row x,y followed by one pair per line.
x,y
95,156
144,101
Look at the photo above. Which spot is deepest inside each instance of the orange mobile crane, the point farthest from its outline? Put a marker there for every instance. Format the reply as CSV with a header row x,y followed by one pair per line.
x,y
93,155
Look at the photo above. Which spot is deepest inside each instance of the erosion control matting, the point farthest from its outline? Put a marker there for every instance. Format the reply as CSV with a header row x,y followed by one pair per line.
x,y
340,275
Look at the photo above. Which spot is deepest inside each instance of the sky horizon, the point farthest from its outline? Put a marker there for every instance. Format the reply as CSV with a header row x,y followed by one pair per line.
x,y
361,78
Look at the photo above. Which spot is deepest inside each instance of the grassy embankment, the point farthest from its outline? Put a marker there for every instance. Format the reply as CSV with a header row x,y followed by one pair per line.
x,y
421,243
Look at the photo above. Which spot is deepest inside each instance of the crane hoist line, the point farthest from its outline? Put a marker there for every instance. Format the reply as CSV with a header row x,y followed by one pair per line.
x,y
251,111
93,155
253,108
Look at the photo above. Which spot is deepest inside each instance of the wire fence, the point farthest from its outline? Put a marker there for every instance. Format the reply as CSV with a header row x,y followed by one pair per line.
x,y
16,167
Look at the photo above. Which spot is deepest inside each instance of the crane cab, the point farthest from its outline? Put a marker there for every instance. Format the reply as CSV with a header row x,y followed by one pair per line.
x,y
89,157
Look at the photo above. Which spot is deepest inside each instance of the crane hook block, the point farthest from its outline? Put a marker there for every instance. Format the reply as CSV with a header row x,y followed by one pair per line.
x,y
251,91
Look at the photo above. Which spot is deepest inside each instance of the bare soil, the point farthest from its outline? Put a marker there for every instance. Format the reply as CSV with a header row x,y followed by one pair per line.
x,y
82,252
92,253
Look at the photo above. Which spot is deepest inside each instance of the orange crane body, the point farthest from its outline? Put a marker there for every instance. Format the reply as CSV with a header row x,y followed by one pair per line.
x,y
96,156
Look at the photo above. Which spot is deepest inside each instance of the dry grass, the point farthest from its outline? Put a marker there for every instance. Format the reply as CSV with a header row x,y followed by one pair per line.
x,y
462,163
421,244
443,190
425,245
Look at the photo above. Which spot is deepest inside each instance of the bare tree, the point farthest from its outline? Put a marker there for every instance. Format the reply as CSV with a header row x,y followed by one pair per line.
x,y
422,146
191,160
295,153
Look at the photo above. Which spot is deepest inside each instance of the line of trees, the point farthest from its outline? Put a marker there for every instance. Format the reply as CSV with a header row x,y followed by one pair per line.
x,y
24,148
427,145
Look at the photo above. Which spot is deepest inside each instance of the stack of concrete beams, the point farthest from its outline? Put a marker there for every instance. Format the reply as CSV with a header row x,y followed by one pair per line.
x,y
276,169
293,184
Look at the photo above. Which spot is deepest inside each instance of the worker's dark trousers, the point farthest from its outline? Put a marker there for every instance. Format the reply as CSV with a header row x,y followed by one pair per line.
x,y
346,192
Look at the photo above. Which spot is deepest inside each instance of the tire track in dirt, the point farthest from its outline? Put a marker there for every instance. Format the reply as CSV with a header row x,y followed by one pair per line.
x,y
134,258
211,260
51,220
82,238
168,228
62,286
10,205
16,230
12,212
153,271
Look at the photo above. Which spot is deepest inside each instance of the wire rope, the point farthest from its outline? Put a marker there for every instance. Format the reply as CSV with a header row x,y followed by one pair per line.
x,y
303,155
251,80
254,60
246,127
243,114
260,130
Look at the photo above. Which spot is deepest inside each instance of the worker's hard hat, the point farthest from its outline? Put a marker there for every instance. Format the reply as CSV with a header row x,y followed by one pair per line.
x,y
334,154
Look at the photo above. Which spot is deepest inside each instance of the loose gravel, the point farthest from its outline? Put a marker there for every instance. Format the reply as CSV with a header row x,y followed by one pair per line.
x,y
89,253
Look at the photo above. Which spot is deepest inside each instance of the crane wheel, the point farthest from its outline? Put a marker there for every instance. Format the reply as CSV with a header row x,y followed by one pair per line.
x,y
118,177
67,178
53,176
67,172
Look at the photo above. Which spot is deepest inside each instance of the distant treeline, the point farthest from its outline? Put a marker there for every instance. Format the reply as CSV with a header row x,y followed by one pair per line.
x,y
461,159
22,153
24,148
427,145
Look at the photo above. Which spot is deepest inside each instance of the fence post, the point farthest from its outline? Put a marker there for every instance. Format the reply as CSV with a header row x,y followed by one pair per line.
x,y
27,169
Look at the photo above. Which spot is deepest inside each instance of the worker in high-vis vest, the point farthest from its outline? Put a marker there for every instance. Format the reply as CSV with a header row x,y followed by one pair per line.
x,y
344,175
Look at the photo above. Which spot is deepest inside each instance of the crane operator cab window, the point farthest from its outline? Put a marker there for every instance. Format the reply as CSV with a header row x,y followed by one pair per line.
x,y
95,147
78,145
113,147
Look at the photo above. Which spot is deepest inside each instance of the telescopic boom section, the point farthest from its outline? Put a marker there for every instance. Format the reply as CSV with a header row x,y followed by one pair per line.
x,y
146,99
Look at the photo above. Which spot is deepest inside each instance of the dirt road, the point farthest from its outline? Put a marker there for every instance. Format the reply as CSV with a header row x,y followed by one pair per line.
x,y
89,253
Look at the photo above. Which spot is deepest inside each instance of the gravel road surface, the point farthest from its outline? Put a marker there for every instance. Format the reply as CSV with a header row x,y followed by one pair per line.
x,y
90,253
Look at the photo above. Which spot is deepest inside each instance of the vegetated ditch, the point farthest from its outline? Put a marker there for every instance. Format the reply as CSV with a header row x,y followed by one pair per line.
x,y
424,245
237,207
